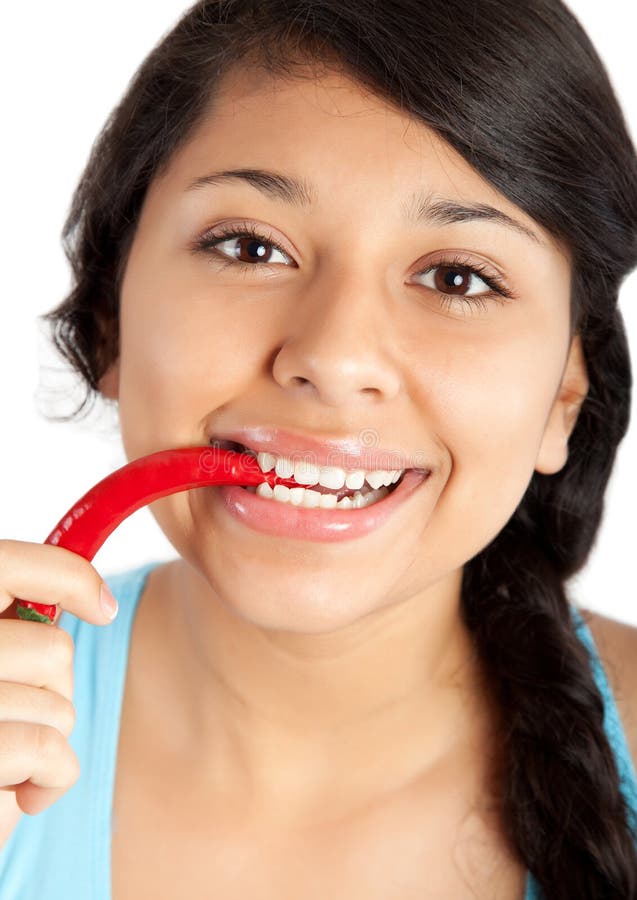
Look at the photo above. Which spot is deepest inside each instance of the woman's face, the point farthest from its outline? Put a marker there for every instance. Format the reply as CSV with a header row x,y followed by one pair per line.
x,y
353,316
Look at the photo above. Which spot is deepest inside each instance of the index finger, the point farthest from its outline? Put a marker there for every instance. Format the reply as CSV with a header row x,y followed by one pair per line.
x,y
46,574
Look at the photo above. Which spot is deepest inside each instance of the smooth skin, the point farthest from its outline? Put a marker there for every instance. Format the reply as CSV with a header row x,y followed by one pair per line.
x,y
318,720
37,764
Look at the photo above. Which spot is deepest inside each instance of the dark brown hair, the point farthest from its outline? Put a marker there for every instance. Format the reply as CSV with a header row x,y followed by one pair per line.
x,y
519,91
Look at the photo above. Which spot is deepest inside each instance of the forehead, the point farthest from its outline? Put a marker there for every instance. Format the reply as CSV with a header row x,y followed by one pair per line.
x,y
327,128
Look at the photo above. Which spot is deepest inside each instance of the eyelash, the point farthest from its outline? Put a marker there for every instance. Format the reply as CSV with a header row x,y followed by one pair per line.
x,y
499,292
208,242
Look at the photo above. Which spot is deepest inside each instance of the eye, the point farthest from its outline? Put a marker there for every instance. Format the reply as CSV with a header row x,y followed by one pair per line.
x,y
244,246
454,280
467,284
462,281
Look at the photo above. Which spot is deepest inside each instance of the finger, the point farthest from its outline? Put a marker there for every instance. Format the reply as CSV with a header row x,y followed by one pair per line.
x,y
33,799
36,753
51,575
37,656
22,703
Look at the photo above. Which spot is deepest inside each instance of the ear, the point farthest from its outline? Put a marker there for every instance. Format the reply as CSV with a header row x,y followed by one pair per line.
x,y
108,385
553,452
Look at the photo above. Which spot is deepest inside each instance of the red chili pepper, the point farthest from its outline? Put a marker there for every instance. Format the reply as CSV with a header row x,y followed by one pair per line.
x,y
87,524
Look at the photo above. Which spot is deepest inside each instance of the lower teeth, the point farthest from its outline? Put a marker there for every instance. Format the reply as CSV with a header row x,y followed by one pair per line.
x,y
308,499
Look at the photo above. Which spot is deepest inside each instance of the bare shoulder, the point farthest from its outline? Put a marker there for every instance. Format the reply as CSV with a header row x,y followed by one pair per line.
x,y
617,646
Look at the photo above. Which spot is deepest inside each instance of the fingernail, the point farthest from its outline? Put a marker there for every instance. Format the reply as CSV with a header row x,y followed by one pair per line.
x,y
108,603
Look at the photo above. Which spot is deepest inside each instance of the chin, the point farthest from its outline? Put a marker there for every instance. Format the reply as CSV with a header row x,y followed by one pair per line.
x,y
301,605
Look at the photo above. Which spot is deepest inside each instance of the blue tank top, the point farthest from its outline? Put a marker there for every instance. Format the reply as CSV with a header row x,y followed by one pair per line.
x,y
64,852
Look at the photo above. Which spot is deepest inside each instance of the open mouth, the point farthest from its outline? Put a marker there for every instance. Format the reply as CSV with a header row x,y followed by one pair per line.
x,y
318,487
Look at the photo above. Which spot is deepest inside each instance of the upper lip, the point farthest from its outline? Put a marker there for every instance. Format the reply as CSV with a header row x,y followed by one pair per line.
x,y
347,453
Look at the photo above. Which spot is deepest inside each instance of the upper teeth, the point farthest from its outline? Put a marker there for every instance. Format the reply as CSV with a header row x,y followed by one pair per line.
x,y
328,476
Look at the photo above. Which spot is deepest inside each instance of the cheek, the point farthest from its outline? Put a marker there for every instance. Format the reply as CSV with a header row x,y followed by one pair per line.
x,y
185,349
496,375
487,406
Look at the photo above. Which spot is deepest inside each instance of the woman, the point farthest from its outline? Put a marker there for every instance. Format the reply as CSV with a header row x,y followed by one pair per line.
x,y
384,241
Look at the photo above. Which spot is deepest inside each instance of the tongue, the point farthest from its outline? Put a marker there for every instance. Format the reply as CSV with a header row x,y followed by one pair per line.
x,y
342,492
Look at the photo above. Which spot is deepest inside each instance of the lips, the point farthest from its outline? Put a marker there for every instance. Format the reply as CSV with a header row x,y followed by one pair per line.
x,y
349,453
317,525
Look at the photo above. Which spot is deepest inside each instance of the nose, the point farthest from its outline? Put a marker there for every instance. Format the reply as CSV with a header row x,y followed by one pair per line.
x,y
340,349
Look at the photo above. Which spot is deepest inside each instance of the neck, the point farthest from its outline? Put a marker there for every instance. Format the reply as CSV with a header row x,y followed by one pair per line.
x,y
283,715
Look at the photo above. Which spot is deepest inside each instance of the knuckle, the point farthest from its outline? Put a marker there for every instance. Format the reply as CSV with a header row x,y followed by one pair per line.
x,y
61,648
13,739
81,579
47,741
66,716
57,756
79,573
58,712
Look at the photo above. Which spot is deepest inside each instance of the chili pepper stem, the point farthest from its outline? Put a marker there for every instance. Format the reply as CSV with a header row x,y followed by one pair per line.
x,y
85,527
31,615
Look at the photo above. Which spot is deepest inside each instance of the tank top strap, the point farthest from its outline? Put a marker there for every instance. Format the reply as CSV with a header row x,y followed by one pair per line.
x,y
612,722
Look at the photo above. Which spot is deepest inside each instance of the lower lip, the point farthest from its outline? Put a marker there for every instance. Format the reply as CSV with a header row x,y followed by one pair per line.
x,y
323,525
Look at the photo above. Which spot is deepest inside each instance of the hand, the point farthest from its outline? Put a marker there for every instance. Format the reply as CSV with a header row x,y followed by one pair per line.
x,y
37,716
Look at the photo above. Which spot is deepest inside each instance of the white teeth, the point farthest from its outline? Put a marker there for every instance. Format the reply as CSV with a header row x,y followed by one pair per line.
x,y
266,461
355,480
379,478
375,496
332,477
306,473
284,467
310,499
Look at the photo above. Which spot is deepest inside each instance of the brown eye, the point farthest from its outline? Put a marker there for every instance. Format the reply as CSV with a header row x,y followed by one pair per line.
x,y
248,249
452,280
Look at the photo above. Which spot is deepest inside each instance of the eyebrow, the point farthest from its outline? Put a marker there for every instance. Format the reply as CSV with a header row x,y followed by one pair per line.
x,y
421,208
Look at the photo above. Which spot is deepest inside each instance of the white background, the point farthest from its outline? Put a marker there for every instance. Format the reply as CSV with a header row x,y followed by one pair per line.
x,y
63,66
